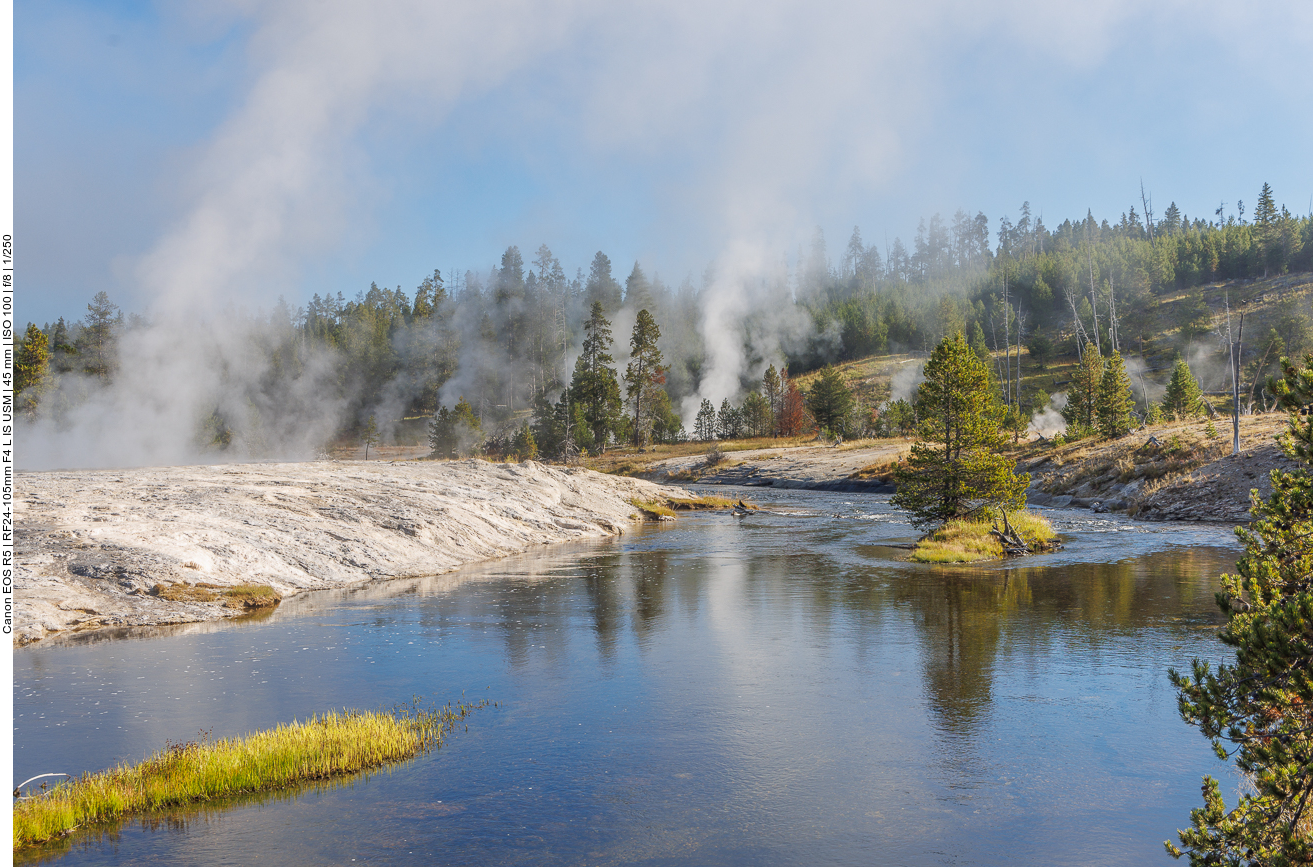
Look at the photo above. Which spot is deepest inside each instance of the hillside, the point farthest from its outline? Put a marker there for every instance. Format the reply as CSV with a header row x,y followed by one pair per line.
x,y
1191,322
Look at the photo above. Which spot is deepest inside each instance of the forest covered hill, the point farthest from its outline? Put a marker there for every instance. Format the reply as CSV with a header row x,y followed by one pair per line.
x,y
502,347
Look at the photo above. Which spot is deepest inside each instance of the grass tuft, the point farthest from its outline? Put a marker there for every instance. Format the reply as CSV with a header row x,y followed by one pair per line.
x,y
705,503
651,509
325,746
970,540
666,508
235,596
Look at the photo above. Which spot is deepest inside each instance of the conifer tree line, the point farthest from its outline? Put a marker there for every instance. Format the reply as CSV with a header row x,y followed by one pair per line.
x,y
503,341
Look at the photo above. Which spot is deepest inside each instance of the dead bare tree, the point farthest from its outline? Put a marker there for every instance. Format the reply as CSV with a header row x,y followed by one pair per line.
x,y
1148,211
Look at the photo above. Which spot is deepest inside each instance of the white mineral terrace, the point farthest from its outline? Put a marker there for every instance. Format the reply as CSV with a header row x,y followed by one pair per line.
x,y
91,545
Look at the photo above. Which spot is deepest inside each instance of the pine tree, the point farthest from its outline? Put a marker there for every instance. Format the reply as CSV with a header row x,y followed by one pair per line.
x,y
729,421
96,344
831,401
644,376
1081,411
31,368
442,434
1182,399
772,390
594,385
524,444
455,432
978,344
955,469
601,287
757,417
638,290
468,430
704,427
1260,709
1115,400
1265,226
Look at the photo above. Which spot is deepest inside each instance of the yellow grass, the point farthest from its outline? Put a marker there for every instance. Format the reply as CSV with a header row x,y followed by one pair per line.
x,y
627,462
325,746
652,509
235,596
668,506
971,540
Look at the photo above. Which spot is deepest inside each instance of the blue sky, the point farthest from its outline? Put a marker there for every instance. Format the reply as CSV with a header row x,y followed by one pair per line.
x,y
215,151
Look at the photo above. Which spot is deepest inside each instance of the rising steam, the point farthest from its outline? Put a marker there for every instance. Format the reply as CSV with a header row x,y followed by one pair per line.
x,y
780,97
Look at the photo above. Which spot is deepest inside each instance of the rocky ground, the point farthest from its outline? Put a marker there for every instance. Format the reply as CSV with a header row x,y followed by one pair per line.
x,y
138,547
1169,472
819,467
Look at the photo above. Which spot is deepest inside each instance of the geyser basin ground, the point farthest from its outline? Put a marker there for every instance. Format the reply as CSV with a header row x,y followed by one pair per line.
x,y
93,545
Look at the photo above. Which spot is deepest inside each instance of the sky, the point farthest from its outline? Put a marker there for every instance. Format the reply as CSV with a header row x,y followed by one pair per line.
x,y
188,156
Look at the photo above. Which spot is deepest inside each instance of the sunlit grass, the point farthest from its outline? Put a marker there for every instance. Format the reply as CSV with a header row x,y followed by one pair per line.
x,y
325,746
652,509
235,596
666,507
708,502
970,540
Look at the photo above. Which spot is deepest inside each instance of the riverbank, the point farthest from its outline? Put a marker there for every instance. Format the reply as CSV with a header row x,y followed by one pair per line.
x,y
161,545
1169,472
1175,471
847,468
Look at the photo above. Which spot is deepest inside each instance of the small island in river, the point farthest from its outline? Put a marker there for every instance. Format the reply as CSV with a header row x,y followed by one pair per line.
x,y
161,545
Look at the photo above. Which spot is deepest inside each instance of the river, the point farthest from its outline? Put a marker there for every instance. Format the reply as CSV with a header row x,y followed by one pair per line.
x,y
775,689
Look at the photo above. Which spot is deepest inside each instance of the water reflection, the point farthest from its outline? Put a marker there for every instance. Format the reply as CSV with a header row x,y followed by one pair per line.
x,y
772,689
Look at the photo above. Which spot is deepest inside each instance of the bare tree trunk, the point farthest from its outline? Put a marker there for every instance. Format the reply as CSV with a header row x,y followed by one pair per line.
x,y
1081,338
1148,212
1094,302
1007,342
1114,327
1021,318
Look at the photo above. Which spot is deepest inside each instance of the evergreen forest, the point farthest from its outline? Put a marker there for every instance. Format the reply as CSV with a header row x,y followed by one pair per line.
x,y
527,358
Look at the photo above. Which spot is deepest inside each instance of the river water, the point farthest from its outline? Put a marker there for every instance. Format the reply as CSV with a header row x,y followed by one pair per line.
x,y
776,689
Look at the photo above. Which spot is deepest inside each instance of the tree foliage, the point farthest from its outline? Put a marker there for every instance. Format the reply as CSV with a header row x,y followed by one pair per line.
x,y
645,375
1081,411
594,385
955,468
1115,401
831,401
1182,400
31,368
1259,709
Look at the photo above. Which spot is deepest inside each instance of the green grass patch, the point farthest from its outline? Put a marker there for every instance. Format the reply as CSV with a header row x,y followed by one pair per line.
x,y
969,540
325,746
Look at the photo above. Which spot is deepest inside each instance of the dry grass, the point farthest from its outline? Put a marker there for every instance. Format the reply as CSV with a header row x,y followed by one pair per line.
x,y
322,747
651,509
628,462
709,502
235,596
665,509
971,540
1180,448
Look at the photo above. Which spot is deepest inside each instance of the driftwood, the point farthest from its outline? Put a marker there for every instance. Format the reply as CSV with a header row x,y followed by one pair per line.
x,y
1010,539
